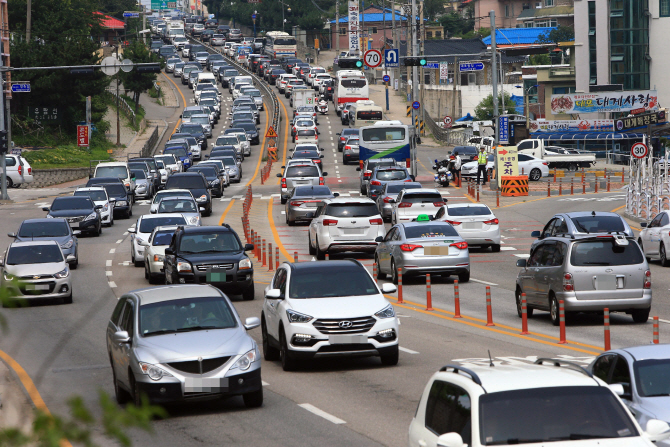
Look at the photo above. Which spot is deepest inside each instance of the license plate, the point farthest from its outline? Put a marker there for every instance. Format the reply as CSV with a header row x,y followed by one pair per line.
x,y
72,219
205,384
347,339
606,282
436,251
216,275
37,286
471,226
353,231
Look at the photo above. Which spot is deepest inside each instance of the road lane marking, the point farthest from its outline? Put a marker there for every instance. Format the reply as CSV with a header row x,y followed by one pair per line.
x,y
522,256
483,282
223,216
112,251
327,416
408,351
264,383
112,284
108,263
182,98
108,272
119,241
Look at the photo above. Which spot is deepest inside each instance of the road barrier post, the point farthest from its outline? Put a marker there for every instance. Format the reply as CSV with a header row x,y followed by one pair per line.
x,y
524,315
560,186
270,263
489,311
554,175
548,189
264,252
327,256
400,286
572,185
258,246
561,320
497,198
608,183
295,256
582,175
583,186
622,174
457,300
374,272
429,295
606,313
253,241
276,258
655,340
596,184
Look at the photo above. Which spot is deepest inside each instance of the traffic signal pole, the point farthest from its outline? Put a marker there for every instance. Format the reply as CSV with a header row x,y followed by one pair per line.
x,y
415,53
3,164
494,83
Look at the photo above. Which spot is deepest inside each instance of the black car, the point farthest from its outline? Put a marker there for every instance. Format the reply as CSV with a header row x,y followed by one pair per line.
x,y
211,24
251,130
167,51
195,49
210,255
123,204
153,169
467,153
344,136
196,131
212,177
81,213
196,183
272,77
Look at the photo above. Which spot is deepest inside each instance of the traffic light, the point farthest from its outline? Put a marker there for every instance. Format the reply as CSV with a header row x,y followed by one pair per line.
x,y
350,63
153,68
414,61
4,143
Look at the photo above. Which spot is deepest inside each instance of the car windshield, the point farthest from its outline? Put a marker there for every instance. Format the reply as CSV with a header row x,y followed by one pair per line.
x,y
605,252
201,54
95,195
111,171
186,315
44,229
162,238
139,174
430,230
598,224
652,377
167,159
194,129
231,73
178,151
307,133
147,225
306,191
376,163
320,282
114,190
177,206
422,198
210,173
248,127
34,254
475,210
351,209
552,414
302,171
186,182
80,203
392,174
200,119
395,189
209,243
229,161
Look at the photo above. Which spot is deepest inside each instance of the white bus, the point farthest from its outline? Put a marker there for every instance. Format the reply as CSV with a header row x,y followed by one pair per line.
x,y
389,139
350,86
280,43
365,113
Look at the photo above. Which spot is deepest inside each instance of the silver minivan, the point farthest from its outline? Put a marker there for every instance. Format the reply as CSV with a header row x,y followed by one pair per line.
x,y
300,174
588,274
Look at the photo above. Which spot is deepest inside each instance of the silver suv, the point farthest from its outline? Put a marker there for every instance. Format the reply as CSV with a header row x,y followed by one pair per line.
x,y
588,274
583,223
300,174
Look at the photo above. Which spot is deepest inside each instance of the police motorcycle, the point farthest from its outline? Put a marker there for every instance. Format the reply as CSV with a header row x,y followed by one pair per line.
x,y
322,107
443,172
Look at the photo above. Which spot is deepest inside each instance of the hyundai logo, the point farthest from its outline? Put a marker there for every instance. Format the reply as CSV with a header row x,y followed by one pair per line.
x,y
345,324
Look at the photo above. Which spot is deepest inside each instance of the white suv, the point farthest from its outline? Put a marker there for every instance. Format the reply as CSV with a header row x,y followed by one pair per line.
x,y
345,224
309,312
18,171
552,402
411,203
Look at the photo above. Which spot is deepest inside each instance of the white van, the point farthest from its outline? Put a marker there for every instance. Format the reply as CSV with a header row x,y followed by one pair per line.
x,y
18,171
116,169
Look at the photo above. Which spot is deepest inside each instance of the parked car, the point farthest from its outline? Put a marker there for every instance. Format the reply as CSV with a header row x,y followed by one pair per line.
x,y
655,237
19,171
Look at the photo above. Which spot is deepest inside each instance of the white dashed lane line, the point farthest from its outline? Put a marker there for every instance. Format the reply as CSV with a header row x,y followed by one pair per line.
x,y
112,251
327,416
408,351
108,263
112,284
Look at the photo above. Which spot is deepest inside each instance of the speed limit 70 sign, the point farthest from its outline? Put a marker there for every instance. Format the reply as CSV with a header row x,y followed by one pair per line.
x,y
373,58
639,150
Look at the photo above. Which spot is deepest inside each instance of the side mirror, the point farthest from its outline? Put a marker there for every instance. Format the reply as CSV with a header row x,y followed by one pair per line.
x,y
336,194
248,247
76,233
252,323
278,174
143,243
321,156
121,337
358,169
657,430
45,208
112,200
391,200
325,174
535,234
450,440
70,258
153,211
389,288
523,263
11,234
2,263
643,224
132,230
445,199
338,133
273,294
379,239
169,251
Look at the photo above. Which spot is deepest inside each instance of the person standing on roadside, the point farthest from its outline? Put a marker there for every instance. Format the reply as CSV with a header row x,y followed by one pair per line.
x,y
455,168
482,159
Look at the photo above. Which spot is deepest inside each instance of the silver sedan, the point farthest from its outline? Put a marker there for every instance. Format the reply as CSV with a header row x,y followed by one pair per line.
x,y
303,201
418,248
182,342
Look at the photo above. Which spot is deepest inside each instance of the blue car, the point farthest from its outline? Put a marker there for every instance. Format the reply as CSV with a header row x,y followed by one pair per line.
x,y
179,151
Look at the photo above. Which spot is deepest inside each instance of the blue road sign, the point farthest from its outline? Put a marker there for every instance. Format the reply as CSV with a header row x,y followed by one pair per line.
x,y
416,105
503,129
132,15
386,78
471,66
391,58
253,16
21,88
432,65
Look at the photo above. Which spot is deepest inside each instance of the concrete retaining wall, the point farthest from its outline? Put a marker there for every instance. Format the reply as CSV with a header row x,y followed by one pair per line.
x,y
48,177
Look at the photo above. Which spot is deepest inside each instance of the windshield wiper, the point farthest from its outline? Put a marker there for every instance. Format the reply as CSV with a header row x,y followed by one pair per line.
x,y
596,263
579,224
657,395
516,441
164,331
197,328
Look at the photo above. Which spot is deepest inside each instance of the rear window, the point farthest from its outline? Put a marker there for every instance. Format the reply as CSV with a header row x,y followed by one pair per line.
x,y
376,163
393,174
353,83
422,198
148,225
139,174
95,195
598,224
384,134
306,133
115,190
312,191
369,115
185,182
351,209
302,171
430,230
605,252
394,189
476,210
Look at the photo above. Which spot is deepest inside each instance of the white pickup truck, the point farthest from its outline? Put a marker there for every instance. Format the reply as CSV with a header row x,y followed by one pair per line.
x,y
557,157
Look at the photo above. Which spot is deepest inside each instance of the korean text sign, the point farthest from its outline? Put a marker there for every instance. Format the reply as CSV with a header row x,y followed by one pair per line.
x,y
508,161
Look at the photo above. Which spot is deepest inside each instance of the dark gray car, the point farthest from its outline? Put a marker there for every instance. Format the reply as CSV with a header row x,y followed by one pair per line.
x,y
389,194
303,201
50,230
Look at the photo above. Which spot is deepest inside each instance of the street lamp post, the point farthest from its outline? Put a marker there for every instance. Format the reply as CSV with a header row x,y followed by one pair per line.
x,y
527,95
283,20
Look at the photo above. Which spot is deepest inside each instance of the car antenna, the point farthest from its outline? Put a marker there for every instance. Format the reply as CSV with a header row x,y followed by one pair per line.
x,y
593,213
491,360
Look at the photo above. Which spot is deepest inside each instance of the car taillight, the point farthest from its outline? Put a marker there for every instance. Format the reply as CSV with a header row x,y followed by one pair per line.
x,y
320,180
295,129
404,204
375,183
492,222
438,204
296,202
316,137
387,199
568,282
20,170
545,163
347,148
30,171
283,183
647,279
409,180
410,247
453,222
460,245
341,138
367,174
329,222
376,222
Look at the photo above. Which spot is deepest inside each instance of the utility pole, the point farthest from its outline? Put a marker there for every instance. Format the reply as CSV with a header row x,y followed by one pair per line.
x,y
337,27
28,20
3,164
415,71
422,34
453,95
396,72
144,22
494,82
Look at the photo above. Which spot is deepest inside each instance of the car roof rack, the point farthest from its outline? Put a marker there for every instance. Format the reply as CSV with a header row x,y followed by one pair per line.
x,y
458,369
565,363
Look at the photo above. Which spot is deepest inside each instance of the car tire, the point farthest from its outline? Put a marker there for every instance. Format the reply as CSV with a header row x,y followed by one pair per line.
x,y
289,222
380,274
99,230
253,399
639,241
554,311
75,264
10,184
270,353
67,299
137,262
392,358
663,256
529,310
464,277
287,363
320,255
249,293
312,251
641,315
122,396
136,395
394,272
535,175
495,248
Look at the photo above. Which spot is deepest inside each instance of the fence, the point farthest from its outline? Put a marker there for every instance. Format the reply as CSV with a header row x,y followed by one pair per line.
x,y
150,146
123,106
451,137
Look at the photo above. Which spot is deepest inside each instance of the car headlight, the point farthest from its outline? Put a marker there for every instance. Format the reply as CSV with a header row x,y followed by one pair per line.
x,y
68,244
63,273
245,264
184,267
214,182
121,203
386,312
295,317
159,258
105,207
202,198
49,216
153,371
9,276
246,360
91,216
194,220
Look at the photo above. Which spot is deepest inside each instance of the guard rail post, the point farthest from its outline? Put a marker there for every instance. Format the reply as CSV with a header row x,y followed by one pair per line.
x,y
524,315
457,301
489,310
606,314
561,321
656,331
429,295
400,301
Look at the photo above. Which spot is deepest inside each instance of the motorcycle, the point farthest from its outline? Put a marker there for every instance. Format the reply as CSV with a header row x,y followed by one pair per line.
x,y
322,108
443,172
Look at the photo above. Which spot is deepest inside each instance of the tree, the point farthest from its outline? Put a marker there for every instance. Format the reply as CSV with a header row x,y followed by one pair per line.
x,y
134,81
456,25
559,34
433,8
484,110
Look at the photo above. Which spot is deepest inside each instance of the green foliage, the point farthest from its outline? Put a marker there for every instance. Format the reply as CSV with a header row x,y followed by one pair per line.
x,y
559,34
539,59
478,34
269,18
66,155
456,25
115,8
134,81
433,8
484,110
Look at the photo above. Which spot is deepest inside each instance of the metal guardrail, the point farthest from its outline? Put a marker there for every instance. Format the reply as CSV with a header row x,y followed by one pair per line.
x,y
157,87
150,146
451,137
123,105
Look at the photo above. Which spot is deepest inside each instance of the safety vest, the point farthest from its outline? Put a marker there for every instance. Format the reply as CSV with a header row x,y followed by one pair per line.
x,y
482,158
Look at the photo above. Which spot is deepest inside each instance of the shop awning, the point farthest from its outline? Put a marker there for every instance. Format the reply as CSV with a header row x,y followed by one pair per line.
x,y
586,136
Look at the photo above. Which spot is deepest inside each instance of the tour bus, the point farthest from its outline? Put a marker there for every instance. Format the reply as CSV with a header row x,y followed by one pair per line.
x,y
350,86
389,139
280,43
365,113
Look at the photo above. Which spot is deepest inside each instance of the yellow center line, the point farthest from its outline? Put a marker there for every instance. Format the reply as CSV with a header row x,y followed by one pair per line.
x,y
183,99
286,132
262,148
223,216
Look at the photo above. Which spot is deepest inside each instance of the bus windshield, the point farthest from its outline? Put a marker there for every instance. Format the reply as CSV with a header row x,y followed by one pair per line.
x,y
384,134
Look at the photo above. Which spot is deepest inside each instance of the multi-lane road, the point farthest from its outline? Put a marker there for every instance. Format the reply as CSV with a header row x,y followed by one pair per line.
x,y
334,402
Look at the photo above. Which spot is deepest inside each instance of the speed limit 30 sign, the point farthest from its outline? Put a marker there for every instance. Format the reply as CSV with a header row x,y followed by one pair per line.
x,y
639,150
373,58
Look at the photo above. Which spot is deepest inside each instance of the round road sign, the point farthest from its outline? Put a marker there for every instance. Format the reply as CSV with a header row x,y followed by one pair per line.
x,y
253,16
110,65
639,150
386,78
373,58
416,105
447,121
